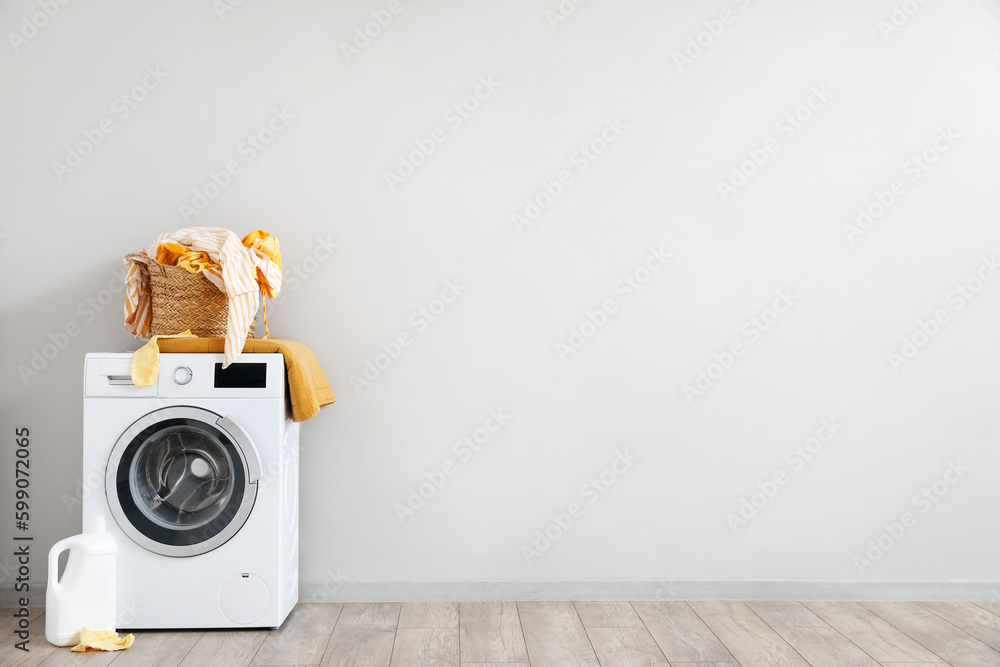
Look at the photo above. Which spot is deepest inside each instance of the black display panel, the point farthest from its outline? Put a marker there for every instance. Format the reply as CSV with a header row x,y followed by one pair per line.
x,y
241,376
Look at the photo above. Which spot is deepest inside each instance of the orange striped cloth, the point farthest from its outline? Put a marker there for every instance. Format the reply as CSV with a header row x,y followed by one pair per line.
x,y
230,265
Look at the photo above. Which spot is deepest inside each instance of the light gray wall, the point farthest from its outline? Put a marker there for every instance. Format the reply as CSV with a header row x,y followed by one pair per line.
x,y
675,130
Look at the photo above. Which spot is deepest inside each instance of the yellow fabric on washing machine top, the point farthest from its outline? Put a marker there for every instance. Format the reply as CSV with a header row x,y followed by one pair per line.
x,y
146,360
308,388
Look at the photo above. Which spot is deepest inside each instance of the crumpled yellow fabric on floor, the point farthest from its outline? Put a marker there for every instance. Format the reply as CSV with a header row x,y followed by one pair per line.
x,y
242,269
146,360
102,640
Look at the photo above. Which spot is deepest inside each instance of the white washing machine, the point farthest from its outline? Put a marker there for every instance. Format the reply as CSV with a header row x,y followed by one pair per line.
x,y
200,488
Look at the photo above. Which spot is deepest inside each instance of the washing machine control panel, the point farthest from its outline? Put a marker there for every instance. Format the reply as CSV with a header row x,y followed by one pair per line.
x,y
201,374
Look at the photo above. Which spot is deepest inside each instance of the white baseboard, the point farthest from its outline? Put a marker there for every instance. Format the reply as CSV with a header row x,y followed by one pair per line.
x,y
763,589
739,589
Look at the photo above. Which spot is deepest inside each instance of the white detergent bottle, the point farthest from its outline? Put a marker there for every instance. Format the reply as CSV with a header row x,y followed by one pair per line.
x,y
85,596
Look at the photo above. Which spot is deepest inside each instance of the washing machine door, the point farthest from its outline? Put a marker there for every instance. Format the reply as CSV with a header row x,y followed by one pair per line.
x,y
182,481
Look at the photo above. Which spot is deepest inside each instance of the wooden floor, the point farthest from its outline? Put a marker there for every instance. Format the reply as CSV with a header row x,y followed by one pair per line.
x,y
574,634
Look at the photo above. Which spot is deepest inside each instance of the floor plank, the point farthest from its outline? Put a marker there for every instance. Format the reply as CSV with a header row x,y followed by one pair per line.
x,y
881,640
9,622
785,614
975,620
992,606
39,649
825,647
491,632
302,638
751,641
429,615
223,648
363,636
608,615
957,647
64,657
426,647
555,635
626,647
680,633
581,634
157,649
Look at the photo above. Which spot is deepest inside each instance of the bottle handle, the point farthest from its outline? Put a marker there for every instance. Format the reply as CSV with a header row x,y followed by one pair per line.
x,y
57,549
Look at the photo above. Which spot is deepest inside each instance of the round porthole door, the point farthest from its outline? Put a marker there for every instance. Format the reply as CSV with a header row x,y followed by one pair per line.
x,y
182,481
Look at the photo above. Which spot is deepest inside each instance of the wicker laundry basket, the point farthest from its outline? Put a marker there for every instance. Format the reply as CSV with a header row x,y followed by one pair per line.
x,y
181,300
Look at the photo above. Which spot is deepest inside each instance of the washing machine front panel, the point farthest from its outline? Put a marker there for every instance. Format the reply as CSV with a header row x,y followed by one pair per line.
x,y
158,590
182,481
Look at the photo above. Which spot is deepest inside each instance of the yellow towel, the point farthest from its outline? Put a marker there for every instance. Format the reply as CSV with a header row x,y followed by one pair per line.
x,y
308,388
146,360
102,640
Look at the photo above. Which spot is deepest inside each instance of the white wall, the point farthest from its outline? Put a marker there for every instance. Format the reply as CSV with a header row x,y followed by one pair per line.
x,y
685,128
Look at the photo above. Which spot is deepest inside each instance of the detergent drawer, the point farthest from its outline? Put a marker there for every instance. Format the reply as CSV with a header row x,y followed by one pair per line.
x,y
113,377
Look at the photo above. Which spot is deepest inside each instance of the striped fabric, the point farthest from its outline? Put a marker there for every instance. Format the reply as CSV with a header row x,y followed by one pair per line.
x,y
235,270
138,306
